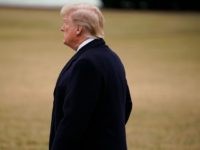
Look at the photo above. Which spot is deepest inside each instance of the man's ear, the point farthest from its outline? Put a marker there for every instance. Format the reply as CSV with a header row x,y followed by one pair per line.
x,y
79,30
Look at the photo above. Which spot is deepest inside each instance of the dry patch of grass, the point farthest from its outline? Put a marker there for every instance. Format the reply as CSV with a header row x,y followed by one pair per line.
x,y
161,55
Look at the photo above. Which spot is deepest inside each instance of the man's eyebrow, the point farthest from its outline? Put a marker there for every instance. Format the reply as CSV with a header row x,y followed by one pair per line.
x,y
66,20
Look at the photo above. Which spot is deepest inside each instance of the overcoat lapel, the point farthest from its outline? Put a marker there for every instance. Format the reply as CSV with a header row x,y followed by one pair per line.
x,y
69,64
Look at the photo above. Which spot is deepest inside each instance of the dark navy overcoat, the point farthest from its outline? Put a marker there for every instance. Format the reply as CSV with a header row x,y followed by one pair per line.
x,y
92,102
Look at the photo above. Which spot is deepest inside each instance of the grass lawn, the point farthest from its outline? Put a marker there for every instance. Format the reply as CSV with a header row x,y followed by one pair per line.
x,y
161,54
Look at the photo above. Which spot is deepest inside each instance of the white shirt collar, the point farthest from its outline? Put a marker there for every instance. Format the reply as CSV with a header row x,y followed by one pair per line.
x,y
84,43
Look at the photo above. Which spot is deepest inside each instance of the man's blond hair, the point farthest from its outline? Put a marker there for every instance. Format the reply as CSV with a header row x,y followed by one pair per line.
x,y
87,16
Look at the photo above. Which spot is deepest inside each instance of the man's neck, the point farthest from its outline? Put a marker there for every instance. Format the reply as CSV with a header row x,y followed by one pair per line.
x,y
77,42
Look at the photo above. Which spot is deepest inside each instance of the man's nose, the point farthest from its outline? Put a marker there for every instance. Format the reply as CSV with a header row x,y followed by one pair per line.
x,y
62,28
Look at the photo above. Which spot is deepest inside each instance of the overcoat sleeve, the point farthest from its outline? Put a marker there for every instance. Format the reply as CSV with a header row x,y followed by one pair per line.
x,y
79,103
128,104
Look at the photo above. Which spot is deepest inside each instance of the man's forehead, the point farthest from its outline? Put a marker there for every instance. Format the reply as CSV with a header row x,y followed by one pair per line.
x,y
66,18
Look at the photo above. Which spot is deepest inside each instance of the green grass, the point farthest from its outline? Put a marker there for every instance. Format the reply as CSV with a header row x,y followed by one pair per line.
x,y
161,54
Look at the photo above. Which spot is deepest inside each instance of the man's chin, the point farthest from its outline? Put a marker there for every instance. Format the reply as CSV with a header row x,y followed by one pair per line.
x,y
64,42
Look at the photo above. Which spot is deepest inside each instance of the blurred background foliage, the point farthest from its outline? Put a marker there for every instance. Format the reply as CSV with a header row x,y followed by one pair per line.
x,y
153,4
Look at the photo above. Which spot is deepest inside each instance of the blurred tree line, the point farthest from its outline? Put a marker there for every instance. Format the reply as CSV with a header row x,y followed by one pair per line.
x,y
153,4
